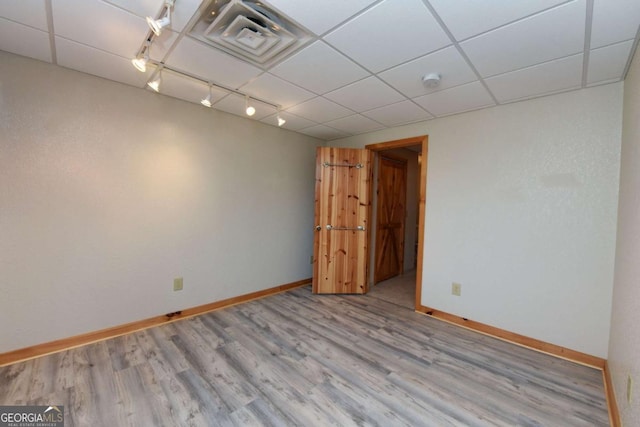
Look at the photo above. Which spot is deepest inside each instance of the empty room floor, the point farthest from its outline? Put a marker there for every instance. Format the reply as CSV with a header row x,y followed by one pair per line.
x,y
300,359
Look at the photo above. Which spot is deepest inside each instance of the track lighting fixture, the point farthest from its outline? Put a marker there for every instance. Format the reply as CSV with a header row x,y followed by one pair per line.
x,y
143,59
155,83
141,63
207,101
157,25
248,107
281,121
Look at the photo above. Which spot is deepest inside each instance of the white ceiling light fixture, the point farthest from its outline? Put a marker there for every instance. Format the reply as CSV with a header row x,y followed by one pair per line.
x,y
143,57
207,101
157,25
141,62
155,83
248,107
431,80
281,121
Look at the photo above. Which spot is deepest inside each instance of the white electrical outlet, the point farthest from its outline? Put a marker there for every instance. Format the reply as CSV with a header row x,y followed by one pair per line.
x,y
177,284
456,289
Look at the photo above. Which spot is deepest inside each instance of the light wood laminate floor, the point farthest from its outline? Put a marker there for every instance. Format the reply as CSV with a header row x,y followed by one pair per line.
x,y
301,359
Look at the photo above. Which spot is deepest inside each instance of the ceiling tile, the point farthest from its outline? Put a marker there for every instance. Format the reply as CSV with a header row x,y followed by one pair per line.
x,y
466,18
99,63
320,110
608,63
161,45
550,35
235,104
285,94
396,114
183,11
115,31
365,95
26,41
370,42
188,89
614,21
210,64
32,13
324,132
553,76
142,8
355,124
456,100
451,66
294,122
314,68
320,16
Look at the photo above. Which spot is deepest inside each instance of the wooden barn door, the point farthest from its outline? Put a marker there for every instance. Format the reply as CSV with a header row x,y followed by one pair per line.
x,y
342,210
390,218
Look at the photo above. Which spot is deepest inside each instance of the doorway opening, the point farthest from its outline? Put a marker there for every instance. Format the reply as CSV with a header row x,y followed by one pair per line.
x,y
387,227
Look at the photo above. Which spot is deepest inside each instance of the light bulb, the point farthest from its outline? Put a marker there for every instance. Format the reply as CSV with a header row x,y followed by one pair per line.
x,y
157,25
207,101
281,121
248,108
155,84
140,64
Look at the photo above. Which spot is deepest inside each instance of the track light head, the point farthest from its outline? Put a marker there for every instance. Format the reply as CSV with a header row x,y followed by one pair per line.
x,y
157,25
207,101
140,64
281,121
249,108
155,83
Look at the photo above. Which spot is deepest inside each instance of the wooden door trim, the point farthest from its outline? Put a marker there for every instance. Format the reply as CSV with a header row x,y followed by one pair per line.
x,y
398,143
423,140
394,158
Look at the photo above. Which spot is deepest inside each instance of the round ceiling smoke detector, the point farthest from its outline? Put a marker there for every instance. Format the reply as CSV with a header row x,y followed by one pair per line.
x,y
431,80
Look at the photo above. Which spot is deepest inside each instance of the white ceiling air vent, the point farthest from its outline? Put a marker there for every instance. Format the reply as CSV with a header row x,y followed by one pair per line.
x,y
249,30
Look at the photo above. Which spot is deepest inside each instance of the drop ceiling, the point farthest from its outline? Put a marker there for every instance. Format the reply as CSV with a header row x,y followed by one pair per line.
x,y
357,65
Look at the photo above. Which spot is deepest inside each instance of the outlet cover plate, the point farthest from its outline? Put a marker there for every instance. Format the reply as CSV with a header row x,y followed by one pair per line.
x,y
177,284
456,289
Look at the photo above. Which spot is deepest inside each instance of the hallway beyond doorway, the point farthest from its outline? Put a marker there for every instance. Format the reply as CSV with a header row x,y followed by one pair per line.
x,y
399,290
